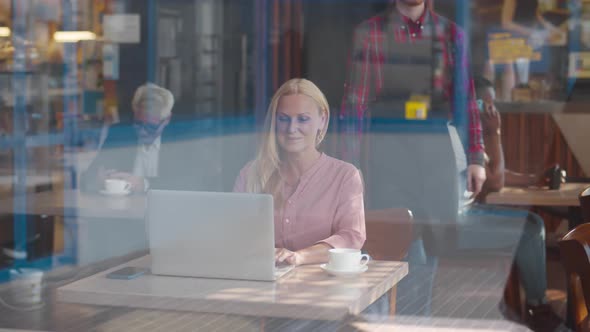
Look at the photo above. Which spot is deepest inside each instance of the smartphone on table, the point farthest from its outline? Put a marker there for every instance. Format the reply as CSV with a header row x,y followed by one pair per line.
x,y
127,273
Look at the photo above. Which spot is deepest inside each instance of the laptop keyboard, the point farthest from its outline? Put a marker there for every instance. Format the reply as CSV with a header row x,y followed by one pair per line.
x,y
282,268
282,265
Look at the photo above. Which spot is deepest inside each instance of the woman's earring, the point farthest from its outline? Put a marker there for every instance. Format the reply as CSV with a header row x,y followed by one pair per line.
x,y
319,137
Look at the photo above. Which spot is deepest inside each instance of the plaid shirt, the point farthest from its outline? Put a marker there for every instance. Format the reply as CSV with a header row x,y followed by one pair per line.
x,y
367,58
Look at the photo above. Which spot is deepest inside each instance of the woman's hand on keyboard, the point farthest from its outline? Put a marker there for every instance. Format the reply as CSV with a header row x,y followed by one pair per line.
x,y
283,255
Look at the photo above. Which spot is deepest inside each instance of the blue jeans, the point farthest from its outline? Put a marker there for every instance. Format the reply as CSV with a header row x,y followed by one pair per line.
x,y
516,232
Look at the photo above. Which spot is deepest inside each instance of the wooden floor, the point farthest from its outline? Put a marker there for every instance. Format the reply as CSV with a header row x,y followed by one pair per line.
x,y
465,296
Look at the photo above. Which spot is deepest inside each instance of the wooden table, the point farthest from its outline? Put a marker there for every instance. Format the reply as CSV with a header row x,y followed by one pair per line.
x,y
73,203
307,292
32,180
33,183
433,324
566,196
98,226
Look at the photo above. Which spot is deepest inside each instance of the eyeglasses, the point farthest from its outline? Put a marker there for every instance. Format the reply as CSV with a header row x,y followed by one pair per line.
x,y
150,128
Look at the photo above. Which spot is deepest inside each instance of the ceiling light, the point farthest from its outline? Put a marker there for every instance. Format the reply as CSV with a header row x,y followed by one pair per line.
x,y
4,32
73,36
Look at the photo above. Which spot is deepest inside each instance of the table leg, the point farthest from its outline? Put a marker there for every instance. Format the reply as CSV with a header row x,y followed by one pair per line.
x,y
392,298
569,318
574,217
262,324
574,220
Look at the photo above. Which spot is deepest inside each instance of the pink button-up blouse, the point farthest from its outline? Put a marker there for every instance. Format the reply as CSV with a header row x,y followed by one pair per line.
x,y
327,206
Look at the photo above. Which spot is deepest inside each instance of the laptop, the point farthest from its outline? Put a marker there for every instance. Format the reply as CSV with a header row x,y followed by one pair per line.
x,y
212,235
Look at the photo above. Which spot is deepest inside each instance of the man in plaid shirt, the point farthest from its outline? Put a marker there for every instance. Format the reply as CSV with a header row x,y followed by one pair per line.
x,y
382,40
396,54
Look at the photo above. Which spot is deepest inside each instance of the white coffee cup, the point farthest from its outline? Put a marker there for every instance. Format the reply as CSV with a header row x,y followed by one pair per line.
x,y
25,285
116,186
347,259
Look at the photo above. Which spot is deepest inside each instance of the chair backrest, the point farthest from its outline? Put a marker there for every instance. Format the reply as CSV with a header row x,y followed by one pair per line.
x,y
585,204
575,256
389,233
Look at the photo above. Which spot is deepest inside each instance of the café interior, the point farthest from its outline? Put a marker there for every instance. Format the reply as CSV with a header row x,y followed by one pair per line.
x,y
163,166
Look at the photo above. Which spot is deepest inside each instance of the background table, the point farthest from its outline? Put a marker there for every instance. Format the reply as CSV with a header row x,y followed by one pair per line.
x,y
98,226
566,196
307,292
73,203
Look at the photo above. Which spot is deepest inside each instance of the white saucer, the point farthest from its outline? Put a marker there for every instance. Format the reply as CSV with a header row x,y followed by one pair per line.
x,y
110,193
339,273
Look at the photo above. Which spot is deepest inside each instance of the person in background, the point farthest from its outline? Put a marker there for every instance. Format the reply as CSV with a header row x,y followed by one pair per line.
x,y
524,18
318,199
383,48
483,226
152,110
376,42
492,124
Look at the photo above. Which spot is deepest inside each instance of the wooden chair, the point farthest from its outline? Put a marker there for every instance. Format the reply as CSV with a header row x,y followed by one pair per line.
x,y
389,234
585,204
575,256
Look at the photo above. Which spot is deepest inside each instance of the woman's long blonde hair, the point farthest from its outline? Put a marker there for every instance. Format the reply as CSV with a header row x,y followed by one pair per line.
x,y
263,176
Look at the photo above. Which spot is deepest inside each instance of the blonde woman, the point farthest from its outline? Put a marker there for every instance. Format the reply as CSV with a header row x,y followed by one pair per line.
x,y
318,199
